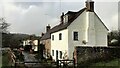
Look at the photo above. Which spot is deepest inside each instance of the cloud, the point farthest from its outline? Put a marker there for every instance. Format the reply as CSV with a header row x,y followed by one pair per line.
x,y
31,20
13,15
114,22
107,15
64,0
32,17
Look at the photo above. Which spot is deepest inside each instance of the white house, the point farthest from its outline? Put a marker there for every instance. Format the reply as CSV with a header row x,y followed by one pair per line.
x,y
83,28
33,43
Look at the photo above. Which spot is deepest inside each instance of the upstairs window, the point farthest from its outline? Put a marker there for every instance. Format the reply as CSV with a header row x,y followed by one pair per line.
x,y
65,18
75,36
60,36
52,37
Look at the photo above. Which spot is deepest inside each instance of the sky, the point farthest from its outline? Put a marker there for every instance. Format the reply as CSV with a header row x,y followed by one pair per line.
x,y
32,16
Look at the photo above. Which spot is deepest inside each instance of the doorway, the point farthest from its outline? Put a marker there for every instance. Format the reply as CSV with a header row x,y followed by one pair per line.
x,y
56,54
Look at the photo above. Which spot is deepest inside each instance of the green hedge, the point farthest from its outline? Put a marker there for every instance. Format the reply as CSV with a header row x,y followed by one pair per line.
x,y
88,55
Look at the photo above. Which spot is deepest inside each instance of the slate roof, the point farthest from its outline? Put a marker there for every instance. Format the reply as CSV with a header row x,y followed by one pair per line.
x,y
59,27
73,16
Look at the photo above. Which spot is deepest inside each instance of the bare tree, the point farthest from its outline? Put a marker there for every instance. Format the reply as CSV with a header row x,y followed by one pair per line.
x,y
3,25
119,37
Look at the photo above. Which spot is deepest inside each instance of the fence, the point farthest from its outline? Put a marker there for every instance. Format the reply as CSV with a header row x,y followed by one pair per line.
x,y
35,64
65,64
57,64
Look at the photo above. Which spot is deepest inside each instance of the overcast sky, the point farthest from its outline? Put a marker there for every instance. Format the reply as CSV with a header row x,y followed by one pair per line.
x,y
32,16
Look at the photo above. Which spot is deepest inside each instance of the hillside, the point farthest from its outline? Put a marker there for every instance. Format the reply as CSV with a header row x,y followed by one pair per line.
x,y
14,40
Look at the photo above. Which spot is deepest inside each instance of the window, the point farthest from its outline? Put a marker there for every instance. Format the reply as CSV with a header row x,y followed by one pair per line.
x,y
61,54
52,37
52,52
75,36
65,18
56,54
60,36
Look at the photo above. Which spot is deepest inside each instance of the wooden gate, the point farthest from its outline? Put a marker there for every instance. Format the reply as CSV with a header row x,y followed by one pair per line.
x,y
65,63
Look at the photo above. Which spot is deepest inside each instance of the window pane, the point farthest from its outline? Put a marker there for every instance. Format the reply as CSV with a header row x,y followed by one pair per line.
x,y
61,54
52,37
52,52
75,37
60,36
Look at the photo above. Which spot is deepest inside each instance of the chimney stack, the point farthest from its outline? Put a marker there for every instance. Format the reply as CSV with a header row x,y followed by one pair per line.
x,y
61,18
42,34
90,5
48,28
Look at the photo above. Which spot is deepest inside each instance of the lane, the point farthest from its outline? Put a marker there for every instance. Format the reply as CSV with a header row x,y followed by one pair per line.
x,y
29,58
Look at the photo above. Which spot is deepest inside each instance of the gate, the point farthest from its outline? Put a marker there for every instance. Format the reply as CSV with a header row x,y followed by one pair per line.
x,y
65,63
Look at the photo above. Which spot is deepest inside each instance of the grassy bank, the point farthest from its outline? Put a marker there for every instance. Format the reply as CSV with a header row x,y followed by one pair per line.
x,y
6,59
113,63
0,61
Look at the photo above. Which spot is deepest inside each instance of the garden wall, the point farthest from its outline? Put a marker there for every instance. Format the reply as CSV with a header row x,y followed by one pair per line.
x,y
87,55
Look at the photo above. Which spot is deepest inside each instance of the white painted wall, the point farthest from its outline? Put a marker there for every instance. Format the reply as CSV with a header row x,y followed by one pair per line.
x,y
80,25
89,28
97,33
60,45
101,33
34,44
26,42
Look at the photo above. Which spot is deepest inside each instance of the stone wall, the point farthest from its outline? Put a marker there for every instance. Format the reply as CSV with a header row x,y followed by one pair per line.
x,y
86,55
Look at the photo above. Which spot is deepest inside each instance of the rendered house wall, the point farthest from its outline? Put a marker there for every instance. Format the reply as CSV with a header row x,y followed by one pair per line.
x,y
60,45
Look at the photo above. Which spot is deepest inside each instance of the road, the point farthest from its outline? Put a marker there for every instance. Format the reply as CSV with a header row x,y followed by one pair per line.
x,y
29,58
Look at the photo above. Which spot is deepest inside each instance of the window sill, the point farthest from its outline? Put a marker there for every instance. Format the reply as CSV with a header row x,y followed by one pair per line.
x,y
75,40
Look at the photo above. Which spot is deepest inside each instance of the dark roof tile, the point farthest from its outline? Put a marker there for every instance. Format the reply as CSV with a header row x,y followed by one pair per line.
x,y
59,27
73,16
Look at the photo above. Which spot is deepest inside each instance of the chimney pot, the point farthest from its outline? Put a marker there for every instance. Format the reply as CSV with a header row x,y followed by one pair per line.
x,y
90,5
42,34
48,28
61,21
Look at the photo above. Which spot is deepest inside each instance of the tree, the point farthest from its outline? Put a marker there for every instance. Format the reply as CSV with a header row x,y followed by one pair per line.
x,y
3,25
114,35
6,39
119,37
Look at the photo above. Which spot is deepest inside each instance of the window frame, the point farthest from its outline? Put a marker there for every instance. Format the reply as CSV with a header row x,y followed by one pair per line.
x,y
60,54
60,36
52,37
52,52
75,35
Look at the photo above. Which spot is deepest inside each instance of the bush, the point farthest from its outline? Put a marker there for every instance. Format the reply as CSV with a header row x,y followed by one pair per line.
x,y
93,55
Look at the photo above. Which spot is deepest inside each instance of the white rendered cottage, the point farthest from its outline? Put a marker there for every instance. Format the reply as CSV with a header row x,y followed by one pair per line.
x,y
82,28
32,43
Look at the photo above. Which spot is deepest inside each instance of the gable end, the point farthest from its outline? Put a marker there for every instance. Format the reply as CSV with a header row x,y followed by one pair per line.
x,y
101,21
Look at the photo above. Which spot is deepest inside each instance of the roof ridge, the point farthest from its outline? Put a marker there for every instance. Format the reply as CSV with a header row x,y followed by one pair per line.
x,y
62,26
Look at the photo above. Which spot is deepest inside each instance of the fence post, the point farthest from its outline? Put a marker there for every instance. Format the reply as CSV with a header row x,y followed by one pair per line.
x,y
74,62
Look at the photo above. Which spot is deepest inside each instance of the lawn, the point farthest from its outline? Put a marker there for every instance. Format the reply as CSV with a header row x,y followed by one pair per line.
x,y
5,59
0,61
113,63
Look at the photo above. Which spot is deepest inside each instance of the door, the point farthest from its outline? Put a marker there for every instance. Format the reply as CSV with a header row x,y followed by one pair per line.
x,y
56,54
